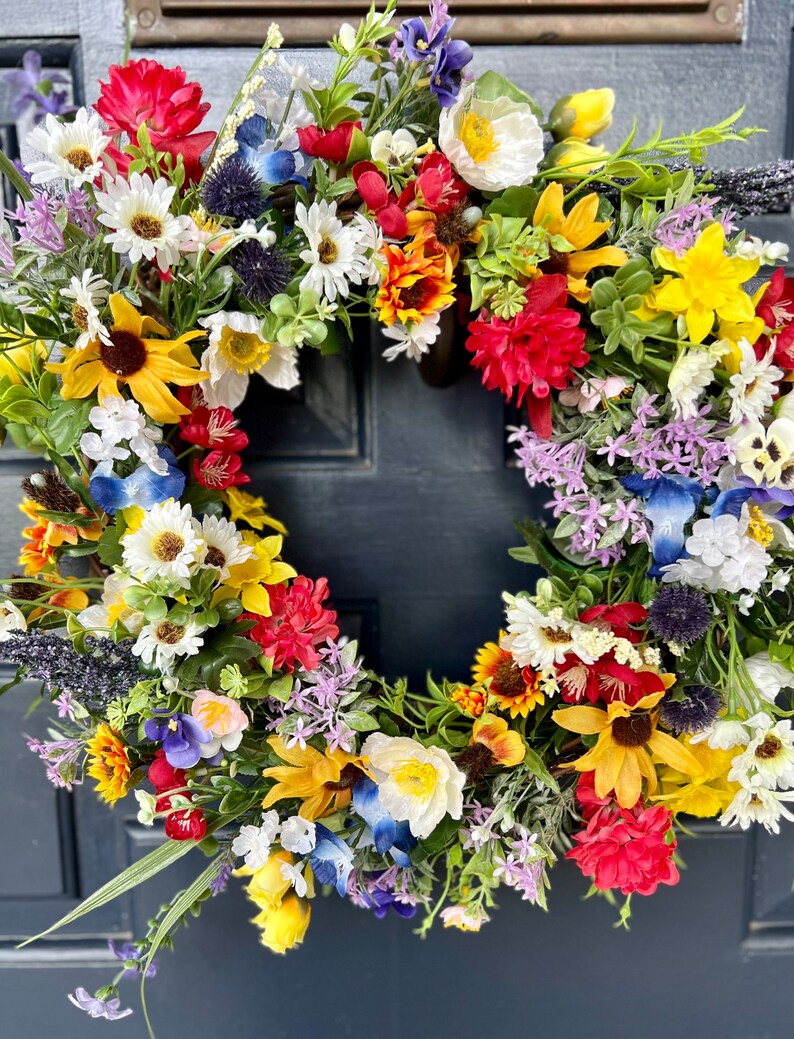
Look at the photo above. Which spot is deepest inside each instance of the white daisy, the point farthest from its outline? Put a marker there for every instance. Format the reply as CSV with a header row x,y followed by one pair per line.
x,y
754,386
89,293
689,377
142,225
370,244
224,545
723,734
74,150
161,641
769,757
236,350
298,835
756,804
12,619
335,254
165,545
414,339
541,640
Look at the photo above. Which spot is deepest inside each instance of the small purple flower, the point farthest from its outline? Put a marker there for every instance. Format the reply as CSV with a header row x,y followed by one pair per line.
x,y
445,79
418,43
96,1007
7,265
25,83
36,223
81,212
181,736
128,952
65,705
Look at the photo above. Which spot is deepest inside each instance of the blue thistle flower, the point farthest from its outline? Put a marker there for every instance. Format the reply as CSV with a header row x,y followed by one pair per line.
x,y
679,614
233,189
694,713
263,270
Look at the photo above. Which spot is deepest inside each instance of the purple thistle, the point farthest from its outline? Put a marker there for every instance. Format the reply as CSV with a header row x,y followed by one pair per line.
x,y
264,271
679,614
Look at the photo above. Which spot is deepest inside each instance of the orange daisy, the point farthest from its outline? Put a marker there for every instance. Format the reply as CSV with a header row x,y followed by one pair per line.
x,y
515,689
108,763
414,283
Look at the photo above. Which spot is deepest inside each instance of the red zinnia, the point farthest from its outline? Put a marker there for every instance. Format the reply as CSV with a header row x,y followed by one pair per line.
x,y
145,92
776,307
219,470
331,145
298,624
534,351
627,849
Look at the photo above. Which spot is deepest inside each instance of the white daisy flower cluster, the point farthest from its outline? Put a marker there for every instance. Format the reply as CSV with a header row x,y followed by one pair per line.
x,y
142,226
121,422
73,151
337,253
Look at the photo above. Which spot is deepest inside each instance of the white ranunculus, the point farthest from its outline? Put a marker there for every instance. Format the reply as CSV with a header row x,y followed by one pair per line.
x,y
492,144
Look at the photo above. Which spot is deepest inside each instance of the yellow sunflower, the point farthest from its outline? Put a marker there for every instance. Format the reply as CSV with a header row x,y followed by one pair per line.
x,y
132,359
579,228
621,759
515,689
323,782
108,763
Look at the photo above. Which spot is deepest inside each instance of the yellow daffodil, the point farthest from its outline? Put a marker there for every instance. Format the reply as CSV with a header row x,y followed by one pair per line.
x,y
626,738
580,228
268,885
731,332
515,689
582,115
709,284
323,782
133,359
108,763
262,568
250,509
285,925
704,796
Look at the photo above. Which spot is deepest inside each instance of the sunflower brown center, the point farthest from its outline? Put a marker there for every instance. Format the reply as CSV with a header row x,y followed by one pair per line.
x,y
167,546
634,731
80,317
451,228
348,778
327,250
558,636
508,679
557,263
412,297
215,557
146,226
169,633
770,748
124,355
79,157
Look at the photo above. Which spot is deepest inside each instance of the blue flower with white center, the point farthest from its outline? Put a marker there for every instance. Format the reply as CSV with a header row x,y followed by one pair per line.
x,y
331,860
670,502
142,487
274,163
388,835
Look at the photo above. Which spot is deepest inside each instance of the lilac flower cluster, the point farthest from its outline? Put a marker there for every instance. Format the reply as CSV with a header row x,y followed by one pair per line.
x,y
61,758
382,890
36,223
680,228
82,212
318,698
523,866
549,462
475,829
595,516
684,447
219,884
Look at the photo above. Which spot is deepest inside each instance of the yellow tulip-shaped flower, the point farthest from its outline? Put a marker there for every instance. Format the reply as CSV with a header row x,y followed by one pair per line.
x,y
17,361
250,509
133,359
709,284
579,228
323,782
582,115
262,568
621,759
577,159
285,925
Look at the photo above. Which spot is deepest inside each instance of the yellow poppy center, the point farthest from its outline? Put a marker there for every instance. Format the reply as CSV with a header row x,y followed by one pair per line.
x,y
243,352
167,546
758,529
213,714
79,157
415,779
327,250
146,226
169,633
770,748
477,136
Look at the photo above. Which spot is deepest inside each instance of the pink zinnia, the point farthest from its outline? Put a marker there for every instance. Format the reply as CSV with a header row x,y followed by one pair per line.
x,y
627,849
298,624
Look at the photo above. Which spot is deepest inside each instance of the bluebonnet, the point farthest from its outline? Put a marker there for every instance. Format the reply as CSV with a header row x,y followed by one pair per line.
x,y
453,56
181,736
417,42
273,164
670,502
388,834
331,860
142,487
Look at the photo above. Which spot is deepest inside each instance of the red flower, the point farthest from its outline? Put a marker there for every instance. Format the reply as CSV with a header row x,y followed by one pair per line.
x,y
144,91
212,428
776,307
382,203
605,680
163,776
617,619
627,849
185,824
219,470
331,145
534,351
299,623
436,187
588,800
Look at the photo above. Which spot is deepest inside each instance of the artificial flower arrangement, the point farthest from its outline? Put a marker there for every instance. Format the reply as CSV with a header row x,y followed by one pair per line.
x,y
150,269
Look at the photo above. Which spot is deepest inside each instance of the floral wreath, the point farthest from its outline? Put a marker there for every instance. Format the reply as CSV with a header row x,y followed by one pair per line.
x,y
151,268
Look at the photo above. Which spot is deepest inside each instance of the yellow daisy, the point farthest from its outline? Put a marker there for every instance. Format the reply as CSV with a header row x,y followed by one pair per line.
x,y
108,763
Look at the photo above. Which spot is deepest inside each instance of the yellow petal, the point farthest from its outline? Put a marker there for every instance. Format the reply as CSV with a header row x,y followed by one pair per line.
x,y
584,720
628,786
674,753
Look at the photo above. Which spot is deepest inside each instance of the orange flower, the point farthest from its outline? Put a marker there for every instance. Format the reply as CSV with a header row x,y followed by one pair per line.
x,y
37,553
492,743
470,701
108,763
444,232
58,534
515,689
414,284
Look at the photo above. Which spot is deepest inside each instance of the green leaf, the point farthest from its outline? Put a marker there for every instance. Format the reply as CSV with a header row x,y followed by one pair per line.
x,y
534,763
181,905
280,688
491,85
361,721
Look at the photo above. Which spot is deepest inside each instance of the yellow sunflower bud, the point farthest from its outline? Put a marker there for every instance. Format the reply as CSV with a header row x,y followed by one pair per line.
x,y
582,115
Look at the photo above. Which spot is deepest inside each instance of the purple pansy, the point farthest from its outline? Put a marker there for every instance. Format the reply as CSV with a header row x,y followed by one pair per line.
x,y
445,79
128,952
25,83
96,1007
419,44
181,736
